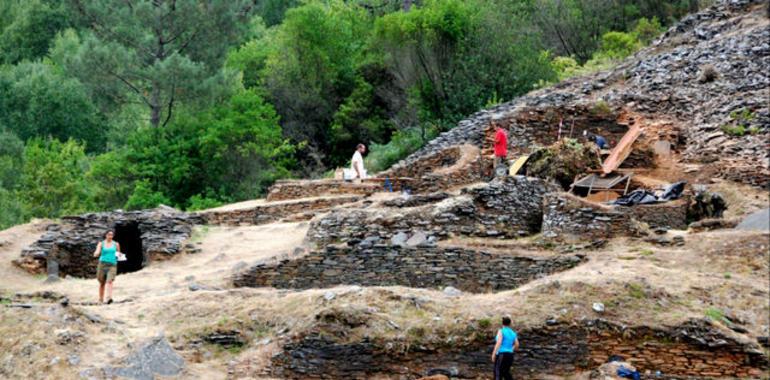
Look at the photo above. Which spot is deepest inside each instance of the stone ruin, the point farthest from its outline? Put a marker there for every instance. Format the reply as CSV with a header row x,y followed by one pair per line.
x,y
694,349
66,248
418,267
508,207
396,241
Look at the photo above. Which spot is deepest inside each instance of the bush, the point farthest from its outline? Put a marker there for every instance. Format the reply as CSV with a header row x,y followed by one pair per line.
x,y
53,181
402,144
11,209
708,74
734,130
145,197
647,29
618,45
200,202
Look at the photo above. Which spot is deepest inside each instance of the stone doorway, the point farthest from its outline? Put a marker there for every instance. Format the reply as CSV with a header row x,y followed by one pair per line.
x,y
130,238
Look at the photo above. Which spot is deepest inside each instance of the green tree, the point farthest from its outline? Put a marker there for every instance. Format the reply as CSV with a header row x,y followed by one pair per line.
x,y
313,68
11,150
144,197
37,100
161,53
457,55
53,181
29,28
231,151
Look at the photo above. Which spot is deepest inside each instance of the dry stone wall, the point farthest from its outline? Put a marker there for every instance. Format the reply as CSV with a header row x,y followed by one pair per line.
x,y
297,189
423,267
508,207
444,169
569,217
66,248
668,215
693,350
275,211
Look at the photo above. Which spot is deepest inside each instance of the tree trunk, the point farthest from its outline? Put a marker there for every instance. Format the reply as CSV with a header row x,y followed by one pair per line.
x,y
407,4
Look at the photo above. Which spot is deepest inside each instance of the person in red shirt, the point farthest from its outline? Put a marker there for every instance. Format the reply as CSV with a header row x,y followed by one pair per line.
x,y
501,145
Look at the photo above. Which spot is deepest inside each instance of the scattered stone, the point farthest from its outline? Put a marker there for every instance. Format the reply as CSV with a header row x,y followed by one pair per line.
x,y
598,307
73,359
452,291
328,296
66,336
152,359
230,338
54,361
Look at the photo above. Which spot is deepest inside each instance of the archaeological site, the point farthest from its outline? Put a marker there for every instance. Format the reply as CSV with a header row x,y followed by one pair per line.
x,y
647,253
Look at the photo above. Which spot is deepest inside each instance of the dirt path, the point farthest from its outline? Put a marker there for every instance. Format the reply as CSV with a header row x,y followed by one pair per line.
x,y
142,296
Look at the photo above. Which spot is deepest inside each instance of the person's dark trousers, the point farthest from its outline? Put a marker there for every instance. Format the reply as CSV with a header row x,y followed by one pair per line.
x,y
503,363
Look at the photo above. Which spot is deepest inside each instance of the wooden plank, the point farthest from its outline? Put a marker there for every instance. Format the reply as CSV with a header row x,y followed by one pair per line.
x,y
622,150
518,164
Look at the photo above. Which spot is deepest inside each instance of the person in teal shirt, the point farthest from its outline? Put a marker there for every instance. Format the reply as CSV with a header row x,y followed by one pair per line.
x,y
507,342
107,251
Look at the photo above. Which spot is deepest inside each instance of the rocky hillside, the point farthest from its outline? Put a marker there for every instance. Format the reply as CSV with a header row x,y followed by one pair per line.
x,y
705,75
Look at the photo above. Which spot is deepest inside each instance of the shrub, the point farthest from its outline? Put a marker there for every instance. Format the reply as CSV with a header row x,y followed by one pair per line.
x,y
708,74
646,30
601,108
734,130
402,144
715,314
202,202
144,197
53,181
617,45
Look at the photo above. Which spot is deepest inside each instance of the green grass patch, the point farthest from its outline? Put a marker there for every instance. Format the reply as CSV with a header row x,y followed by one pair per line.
x,y
646,252
715,314
636,291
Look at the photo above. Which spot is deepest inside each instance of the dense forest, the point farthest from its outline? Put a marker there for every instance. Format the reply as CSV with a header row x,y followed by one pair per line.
x,y
108,104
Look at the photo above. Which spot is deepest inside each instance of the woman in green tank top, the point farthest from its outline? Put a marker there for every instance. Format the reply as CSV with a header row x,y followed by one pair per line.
x,y
107,269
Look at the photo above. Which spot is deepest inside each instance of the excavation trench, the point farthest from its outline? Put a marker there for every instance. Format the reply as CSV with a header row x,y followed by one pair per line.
x,y
693,349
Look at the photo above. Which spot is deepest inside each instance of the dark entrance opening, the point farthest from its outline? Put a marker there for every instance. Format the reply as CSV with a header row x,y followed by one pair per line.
x,y
130,239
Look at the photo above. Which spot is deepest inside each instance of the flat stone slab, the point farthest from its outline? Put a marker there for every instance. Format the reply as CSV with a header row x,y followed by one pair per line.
x,y
156,357
758,221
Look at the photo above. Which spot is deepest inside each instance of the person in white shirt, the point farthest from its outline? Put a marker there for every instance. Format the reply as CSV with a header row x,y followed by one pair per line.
x,y
357,163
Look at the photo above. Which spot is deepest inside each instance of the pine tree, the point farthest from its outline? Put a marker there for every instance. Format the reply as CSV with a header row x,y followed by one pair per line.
x,y
159,52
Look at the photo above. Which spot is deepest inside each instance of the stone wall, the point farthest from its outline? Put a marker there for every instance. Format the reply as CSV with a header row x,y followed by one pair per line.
x,y
691,350
67,248
423,267
297,189
303,209
508,207
669,215
444,169
569,217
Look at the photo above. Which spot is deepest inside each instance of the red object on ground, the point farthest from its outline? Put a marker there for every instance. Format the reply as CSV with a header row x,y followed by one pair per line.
x,y
501,143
